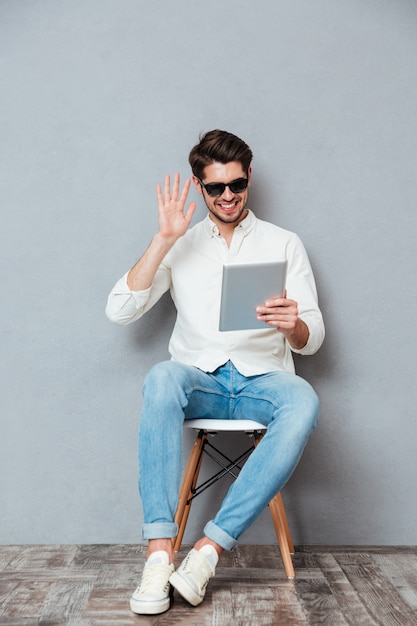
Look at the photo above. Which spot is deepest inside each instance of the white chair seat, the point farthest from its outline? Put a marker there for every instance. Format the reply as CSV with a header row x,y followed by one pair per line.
x,y
217,425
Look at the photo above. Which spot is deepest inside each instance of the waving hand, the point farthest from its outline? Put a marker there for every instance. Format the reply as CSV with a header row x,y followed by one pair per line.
x,y
174,220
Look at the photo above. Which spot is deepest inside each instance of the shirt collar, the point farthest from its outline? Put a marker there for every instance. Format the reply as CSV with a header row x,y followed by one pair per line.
x,y
244,226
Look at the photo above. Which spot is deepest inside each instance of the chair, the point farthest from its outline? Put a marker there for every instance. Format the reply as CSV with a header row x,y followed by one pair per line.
x,y
190,489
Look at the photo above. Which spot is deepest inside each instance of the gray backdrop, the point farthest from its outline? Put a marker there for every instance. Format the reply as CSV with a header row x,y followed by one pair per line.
x,y
99,100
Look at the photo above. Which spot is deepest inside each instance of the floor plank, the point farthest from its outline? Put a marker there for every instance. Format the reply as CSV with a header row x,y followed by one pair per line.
x,y
350,604
90,585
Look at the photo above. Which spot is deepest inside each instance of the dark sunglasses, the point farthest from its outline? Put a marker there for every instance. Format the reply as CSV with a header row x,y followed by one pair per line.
x,y
216,189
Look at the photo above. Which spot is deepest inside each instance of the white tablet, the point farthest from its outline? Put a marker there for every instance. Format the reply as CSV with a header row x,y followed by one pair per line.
x,y
244,287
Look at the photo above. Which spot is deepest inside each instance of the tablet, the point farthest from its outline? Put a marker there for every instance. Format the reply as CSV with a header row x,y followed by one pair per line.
x,y
244,287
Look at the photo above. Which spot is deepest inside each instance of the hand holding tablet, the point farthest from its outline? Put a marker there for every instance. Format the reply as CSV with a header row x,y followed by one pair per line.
x,y
244,287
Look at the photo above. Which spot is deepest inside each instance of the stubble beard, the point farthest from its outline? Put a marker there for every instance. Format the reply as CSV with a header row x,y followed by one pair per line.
x,y
225,219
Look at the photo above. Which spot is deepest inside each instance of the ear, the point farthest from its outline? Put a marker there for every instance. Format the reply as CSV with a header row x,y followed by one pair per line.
x,y
249,176
197,185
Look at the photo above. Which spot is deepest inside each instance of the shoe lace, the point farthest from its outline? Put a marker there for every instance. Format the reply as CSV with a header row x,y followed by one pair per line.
x,y
154,577
199,566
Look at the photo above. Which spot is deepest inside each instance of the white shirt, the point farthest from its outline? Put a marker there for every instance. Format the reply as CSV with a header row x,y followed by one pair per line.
x,y
192,271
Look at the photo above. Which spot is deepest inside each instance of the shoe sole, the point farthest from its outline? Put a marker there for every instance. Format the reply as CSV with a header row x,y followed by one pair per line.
x,y
184,588
149,608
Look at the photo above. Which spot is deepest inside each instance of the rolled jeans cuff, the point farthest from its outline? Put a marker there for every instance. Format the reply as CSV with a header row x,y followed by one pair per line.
x,y
160,530
218,535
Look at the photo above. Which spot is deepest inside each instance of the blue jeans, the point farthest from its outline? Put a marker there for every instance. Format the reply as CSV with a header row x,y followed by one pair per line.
x,y
282,401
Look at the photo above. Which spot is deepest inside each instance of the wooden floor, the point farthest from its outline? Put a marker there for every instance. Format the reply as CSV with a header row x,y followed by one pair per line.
x,y
90,585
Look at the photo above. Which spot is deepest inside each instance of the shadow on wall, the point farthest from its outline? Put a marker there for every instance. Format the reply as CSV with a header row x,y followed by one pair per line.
x,y
151,333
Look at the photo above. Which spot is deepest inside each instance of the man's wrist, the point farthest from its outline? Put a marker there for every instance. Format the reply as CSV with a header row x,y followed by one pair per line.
x,y
299,337
164,241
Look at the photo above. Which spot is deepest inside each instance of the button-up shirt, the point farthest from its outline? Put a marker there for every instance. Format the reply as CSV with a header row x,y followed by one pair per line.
x,y
192,271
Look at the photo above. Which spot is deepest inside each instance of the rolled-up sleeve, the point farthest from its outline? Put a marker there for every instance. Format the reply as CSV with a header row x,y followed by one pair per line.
x,y
314,321
125,306
302,287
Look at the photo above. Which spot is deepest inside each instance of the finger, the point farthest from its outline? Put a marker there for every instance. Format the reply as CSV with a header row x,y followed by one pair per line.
x,y
274,303
281,302
185,191
167,188
159,194
190,211
176,186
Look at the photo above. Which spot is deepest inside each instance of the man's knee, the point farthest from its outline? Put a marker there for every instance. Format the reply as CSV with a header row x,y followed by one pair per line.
x,y
315,409
311,405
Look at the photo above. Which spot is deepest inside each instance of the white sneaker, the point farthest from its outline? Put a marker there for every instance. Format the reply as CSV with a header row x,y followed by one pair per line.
x,y
152,595
192,576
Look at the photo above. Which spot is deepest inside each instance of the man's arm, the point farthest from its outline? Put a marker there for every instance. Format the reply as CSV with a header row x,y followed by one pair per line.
x,y
131,296
173,223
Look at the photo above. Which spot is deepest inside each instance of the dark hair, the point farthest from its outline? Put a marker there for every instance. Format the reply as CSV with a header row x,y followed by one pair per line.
x,y
220,146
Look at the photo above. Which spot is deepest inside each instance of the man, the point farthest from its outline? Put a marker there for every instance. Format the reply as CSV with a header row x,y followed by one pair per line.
x,y
229,375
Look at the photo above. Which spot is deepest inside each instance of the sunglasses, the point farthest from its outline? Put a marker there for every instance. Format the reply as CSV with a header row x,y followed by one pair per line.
x,y
216,189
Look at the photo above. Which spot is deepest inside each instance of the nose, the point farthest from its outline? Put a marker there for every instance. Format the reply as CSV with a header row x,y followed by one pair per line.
x,y
228,194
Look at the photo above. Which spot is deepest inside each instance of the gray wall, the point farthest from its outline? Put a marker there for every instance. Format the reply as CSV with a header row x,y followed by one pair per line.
x,y
99,100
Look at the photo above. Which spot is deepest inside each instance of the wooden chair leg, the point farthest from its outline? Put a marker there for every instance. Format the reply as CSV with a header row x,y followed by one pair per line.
x,y
188,484
188,502
280,531
285,522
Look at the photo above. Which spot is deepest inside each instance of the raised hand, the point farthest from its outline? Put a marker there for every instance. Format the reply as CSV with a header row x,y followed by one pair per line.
x,y
174,221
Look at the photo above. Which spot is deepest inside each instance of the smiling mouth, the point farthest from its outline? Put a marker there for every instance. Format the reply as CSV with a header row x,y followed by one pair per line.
x,y
228,206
